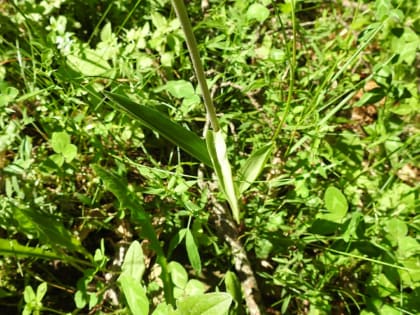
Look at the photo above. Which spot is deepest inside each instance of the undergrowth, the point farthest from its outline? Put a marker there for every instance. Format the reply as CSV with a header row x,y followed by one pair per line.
x,y
101,213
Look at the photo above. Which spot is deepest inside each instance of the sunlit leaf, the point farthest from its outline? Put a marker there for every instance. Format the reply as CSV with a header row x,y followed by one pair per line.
x,y
258,12
41,291
178,273
217,149
205,304
180,88
13,248
336,204
59,141
133,263
192,252
89,63
396,229
194,287
157,121
29,294
233,286
135,294
253,167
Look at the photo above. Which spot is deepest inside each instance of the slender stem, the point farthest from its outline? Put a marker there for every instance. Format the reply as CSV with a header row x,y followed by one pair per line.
x,y
292,74
182,14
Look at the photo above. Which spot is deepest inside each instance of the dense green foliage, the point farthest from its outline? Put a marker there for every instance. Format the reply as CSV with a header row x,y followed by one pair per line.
x,y
323,96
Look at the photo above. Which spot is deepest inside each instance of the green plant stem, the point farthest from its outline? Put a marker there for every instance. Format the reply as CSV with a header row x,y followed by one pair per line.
x,y
292,77
182,14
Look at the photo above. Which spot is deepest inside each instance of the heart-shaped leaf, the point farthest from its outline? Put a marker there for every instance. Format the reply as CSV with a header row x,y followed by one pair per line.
x,y
336,204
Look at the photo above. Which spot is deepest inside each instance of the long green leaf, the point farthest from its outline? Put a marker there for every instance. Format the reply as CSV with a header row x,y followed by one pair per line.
x,y
253,167
157,121
135,294
13,248
130,201
49,230
217,149
133,264
192,252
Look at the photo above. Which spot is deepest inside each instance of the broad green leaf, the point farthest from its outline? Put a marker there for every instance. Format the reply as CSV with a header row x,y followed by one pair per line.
x,y
106,33
383,285
253,167
70,152
13,248
93,299
336,204
389,310
7,94
180,88
192,252
406,45
134,294
383,7
351,230
257,12
157,121
41,291
29,294
158,20
407,247
57,159
217,149
410,277
133,263
80,299
194,287
178,273
233,286
88,63
164,309
205,304
396,229
59,141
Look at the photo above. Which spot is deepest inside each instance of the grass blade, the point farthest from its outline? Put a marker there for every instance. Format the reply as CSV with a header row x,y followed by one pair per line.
x,y
13,248
48,230
217,149
157,121
253,167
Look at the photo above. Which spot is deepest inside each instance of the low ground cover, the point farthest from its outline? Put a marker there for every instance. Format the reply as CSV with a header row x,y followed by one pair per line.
x,y
101,211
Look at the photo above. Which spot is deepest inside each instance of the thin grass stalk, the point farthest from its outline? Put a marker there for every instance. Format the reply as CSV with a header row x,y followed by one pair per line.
x,y
292,77
182,14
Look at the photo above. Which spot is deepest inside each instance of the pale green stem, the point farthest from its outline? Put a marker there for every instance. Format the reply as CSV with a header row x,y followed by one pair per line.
x,y
182,14
292,74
